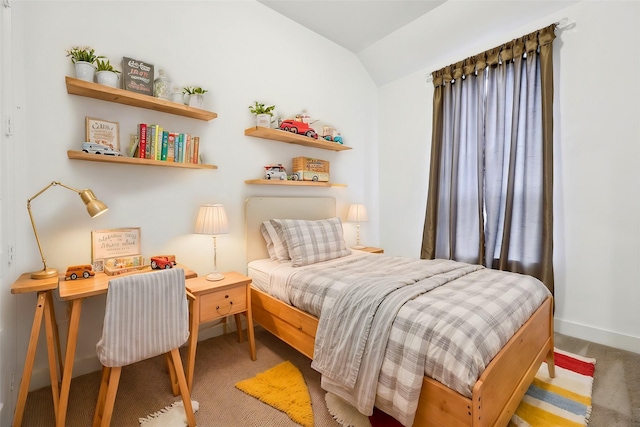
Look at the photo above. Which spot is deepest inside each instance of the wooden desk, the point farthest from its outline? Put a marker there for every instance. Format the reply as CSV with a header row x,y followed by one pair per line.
x,y
216,300
75,291
44,307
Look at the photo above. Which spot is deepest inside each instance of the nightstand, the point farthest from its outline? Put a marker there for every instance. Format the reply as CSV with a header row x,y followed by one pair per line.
x,y
372,250
216,300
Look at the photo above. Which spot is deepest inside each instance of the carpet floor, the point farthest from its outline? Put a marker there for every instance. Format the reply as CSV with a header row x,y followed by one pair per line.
x,y
221,362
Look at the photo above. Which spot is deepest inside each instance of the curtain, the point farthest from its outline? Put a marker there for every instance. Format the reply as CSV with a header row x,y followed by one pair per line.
x,y
490,197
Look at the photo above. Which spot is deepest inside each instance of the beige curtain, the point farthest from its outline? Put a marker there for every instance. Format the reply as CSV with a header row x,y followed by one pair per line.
x,y
490,198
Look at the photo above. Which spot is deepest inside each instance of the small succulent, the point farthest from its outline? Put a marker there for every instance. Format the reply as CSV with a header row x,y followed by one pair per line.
x,y
190,90
105,66
83,54
259,108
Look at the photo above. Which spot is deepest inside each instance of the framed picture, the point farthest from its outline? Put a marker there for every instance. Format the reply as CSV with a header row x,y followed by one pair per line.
x,y
113,243
103,132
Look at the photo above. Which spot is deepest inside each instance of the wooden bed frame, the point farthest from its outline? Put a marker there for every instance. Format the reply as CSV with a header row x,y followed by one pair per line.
x,y
497,392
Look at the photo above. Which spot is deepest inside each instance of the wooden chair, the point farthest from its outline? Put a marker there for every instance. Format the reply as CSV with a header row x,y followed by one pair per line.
x,y
146,315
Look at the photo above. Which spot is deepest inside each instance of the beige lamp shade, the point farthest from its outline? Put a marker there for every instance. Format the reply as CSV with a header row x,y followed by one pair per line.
x,y
357,213
212,220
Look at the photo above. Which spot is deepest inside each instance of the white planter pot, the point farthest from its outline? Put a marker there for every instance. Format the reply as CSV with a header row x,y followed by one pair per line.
x,y
85,71
196,100
177,97
107,78
263,120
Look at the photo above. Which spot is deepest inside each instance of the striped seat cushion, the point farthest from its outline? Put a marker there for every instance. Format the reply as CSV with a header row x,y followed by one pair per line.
x,y
146,315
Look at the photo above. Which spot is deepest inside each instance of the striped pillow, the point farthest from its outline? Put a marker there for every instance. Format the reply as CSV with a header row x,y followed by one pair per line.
x,y
275,246
309,242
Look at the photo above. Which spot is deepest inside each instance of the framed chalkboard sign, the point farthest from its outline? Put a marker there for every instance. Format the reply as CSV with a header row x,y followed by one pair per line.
x,y
137,76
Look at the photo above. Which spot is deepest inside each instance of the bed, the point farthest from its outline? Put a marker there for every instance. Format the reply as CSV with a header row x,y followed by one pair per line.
x,y
494,395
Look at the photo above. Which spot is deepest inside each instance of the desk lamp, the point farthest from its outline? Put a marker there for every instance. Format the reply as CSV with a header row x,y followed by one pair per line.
x,y
358,214
94,206
212,220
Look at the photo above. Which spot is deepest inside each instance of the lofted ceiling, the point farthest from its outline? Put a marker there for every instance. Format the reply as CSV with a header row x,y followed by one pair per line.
x,y
353,24
393,38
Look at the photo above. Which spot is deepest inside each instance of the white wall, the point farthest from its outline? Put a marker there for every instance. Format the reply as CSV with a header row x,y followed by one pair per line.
x,y
242,52
597,164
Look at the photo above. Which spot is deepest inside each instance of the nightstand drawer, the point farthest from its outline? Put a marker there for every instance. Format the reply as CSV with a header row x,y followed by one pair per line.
x,y
223,303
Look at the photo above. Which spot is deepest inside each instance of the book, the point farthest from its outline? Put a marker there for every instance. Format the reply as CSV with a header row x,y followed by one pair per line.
x,y
187,149
165,146
142,136
196,149
147,152
158,142
180,145
152,151
137,76
171,147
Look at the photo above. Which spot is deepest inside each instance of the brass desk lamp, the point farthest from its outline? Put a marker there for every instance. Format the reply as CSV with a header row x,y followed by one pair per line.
x,y
94,206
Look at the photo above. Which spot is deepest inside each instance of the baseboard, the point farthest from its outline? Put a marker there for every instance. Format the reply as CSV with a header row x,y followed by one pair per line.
x,y
598,336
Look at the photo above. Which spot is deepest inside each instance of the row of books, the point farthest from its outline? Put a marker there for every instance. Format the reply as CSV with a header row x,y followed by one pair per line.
x,y
156,143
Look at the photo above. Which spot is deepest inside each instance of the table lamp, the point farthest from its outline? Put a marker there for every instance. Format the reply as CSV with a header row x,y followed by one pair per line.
x,y
212,220
94,207
358,214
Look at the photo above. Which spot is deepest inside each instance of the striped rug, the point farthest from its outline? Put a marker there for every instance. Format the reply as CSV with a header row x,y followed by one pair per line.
x,y
561,401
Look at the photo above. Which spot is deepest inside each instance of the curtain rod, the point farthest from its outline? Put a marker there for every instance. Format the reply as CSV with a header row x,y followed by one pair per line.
x,y
562,24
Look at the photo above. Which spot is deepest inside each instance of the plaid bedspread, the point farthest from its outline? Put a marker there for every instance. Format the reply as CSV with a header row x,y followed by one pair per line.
x,y
384,322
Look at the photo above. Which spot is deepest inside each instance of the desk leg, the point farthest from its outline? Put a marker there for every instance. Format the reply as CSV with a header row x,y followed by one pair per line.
x,y
72,340
53,349
28,363
56,334
252,340
194,326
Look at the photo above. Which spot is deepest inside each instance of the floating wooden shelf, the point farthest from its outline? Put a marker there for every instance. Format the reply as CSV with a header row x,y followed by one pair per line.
x,y
294,138
287,182
126,97
81,155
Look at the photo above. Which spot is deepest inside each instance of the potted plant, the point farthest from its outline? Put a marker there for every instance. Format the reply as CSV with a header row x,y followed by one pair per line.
x,y
106,74
263,114
196,96
83,59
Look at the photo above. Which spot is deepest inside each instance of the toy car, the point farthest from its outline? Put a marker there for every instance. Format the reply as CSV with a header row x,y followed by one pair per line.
x,y
91,147
275,172
301,128
75,271
163,261
337,138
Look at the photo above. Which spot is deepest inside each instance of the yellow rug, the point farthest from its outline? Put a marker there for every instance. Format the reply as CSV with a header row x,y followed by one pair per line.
x,y
282,387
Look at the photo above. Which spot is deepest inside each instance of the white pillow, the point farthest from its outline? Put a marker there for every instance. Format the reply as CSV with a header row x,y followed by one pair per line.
x,y
309,242
276,248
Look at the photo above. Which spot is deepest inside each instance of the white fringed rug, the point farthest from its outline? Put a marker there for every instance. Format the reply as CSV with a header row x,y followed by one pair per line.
x,y
169,416
344,413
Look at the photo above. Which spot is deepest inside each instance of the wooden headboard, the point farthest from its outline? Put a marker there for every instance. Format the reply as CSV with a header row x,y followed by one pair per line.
x,y
259,209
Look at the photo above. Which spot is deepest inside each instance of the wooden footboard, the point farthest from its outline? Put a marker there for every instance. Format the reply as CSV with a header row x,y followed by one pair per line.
x,y
497,392
500,388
